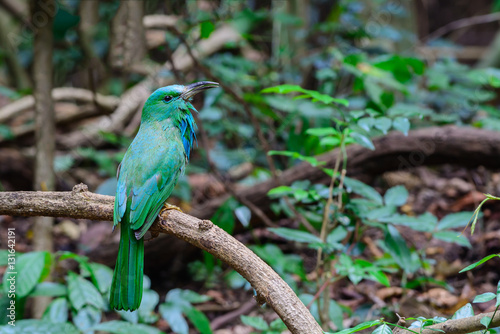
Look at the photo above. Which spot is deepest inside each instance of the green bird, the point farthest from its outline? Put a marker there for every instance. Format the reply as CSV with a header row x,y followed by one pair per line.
x,y
146,176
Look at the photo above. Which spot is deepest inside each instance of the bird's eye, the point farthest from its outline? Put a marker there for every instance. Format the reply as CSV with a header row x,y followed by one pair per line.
x,y
167,98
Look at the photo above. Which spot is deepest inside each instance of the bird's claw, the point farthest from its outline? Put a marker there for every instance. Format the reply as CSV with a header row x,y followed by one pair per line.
x,y
167,207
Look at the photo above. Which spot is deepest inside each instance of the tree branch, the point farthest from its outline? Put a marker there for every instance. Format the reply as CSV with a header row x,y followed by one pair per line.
x,y
463,23
59,94
80,203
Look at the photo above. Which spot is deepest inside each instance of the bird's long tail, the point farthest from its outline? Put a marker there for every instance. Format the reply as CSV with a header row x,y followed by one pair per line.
x,y
126,287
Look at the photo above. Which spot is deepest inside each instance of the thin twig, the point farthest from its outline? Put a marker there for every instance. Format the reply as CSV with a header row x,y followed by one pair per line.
x,y
463,23
223,319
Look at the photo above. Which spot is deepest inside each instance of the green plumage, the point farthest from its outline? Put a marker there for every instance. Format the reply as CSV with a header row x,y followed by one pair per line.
x,y
146,177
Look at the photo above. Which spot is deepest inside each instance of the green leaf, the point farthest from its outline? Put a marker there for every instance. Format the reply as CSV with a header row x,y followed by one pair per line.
x,y
330,141
380,213
366,123
362,140
123,327
383,124
49,289
173,315
401,124
397,196
360,327
425,223
149,301
320,132
283,89
337,235
313,161
129,316
199,320
295,235
28,270
362,189
485,321
314,95
34,326
243,214
187,296
224,217
335,314
206,29
374,91
255,322
452,236
87,317
465,311
397,248
409,110
280,191
380,276
485,297
82,292
454,220
278,325
103,275
57,311
498,295
483,260
382,329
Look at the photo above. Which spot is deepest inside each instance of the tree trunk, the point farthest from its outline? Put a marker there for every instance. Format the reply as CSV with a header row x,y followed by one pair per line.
x,y
42,20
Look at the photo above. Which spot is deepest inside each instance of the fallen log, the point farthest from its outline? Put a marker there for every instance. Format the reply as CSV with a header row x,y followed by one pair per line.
x,y
437,145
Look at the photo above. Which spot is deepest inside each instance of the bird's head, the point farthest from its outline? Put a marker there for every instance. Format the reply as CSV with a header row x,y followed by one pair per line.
x,y
173,101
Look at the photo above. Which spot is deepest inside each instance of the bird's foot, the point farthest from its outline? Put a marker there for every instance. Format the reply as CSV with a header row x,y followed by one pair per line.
x,y
167,206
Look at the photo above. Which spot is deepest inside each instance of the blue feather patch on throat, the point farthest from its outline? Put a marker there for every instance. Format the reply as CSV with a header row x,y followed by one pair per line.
x,y
188,127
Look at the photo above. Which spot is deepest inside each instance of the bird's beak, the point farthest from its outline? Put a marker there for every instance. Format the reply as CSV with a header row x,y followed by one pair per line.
x,y
194,88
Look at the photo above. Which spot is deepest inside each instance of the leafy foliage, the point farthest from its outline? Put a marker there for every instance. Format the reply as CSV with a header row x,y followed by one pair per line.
x,y
84,297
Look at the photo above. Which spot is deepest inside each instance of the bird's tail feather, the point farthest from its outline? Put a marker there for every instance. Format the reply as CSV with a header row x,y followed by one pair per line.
x,y
126,287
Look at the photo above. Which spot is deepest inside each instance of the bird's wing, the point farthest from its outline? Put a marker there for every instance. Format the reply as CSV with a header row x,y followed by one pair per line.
x,y
147,177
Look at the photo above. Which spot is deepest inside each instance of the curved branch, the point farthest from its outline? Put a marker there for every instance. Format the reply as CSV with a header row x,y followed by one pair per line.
x,y
158,21
463,23
80,203
59,94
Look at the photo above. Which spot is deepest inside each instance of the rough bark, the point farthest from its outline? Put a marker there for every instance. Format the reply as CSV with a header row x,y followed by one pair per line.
x,y
127,43
437,145
270,288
